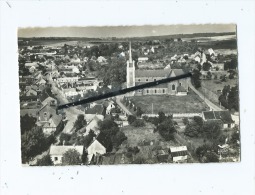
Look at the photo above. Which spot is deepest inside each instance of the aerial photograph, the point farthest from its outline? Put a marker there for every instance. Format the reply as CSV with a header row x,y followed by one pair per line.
x,y
187,120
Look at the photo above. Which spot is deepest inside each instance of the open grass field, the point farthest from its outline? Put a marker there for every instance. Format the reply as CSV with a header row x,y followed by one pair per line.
x,y
215,85
170,104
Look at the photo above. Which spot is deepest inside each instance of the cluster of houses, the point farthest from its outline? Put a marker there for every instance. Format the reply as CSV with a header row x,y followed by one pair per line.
x,y
95,153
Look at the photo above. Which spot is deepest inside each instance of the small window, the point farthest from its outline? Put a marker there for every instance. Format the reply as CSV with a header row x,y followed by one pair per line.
x,y
229,125
139,80
146,79
163,91
155,79
173,87
155,91
45,114
147,91
56,158
180,84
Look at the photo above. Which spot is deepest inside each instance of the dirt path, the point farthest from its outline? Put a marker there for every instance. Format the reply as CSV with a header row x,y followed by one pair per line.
x,y
211,105
122,106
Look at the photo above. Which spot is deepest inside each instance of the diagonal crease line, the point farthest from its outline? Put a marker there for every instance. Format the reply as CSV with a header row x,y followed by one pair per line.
x,y
122,91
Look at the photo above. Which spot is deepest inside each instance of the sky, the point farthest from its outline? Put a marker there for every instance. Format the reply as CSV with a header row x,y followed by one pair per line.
x,y
124,31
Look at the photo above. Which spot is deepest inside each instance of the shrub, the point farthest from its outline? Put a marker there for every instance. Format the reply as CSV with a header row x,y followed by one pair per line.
x,y
138,123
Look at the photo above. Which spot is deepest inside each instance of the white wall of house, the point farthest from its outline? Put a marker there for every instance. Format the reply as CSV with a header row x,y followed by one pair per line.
x,y
95,148
180,158
56,159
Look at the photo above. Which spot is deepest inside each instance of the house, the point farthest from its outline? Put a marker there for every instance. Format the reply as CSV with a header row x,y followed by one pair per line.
x,y
31,92
223,116
109,107
41,82
179,154
69,92
97,110
143,59
30,64
50,100
49,120
57,152
101,59
96,148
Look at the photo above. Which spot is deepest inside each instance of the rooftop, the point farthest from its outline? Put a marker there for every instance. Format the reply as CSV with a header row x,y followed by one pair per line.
x,y
60,150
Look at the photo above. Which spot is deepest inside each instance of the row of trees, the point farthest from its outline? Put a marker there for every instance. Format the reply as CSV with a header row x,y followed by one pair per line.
x,y
164,125
230,97
137,109
198,128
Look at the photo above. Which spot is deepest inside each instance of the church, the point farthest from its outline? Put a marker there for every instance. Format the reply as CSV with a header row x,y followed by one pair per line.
x,y
138,77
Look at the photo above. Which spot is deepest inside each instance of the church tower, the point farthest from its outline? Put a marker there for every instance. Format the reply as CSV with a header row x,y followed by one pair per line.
x,y
130,69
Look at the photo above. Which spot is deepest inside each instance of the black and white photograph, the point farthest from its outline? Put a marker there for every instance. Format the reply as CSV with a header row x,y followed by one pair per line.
x,y
122,95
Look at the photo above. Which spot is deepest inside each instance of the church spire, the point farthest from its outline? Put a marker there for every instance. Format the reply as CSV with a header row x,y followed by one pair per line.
x,y
130,53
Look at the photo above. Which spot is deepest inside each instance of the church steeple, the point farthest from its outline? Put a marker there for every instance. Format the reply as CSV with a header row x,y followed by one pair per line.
x,y
130,53
130,69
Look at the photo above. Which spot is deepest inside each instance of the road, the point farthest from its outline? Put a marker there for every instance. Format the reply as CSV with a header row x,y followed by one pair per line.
x,y
71,113
122,106
211,105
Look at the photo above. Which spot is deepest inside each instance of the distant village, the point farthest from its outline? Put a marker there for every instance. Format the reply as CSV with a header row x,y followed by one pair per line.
x,y
186,121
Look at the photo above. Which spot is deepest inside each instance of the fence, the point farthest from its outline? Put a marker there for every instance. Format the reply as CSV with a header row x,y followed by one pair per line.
x,y
176,115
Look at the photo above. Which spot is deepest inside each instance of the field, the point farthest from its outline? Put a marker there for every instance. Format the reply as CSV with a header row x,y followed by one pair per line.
x,y
215,85
170,104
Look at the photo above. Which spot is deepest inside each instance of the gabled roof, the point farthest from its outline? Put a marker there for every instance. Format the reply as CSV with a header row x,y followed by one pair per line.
x,y
177,72
224,116
60,150
179,151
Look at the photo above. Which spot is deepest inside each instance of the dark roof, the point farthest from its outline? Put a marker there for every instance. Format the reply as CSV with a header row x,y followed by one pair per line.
x,y
102,139
164,85
152,73
179,153
24,98
224,116
97,109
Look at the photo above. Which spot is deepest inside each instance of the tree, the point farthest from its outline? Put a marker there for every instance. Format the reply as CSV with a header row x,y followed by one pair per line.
x,y
131,119
32,143
206,66
80,122
195,79
166,129
138,123
27,123
233,98
192,130
209,75
119,138
139,112
71,157
44,161
185,121
211,157
161,117
212,130
199,121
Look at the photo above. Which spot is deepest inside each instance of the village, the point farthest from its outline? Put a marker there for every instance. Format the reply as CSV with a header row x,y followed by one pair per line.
x,y
192,120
